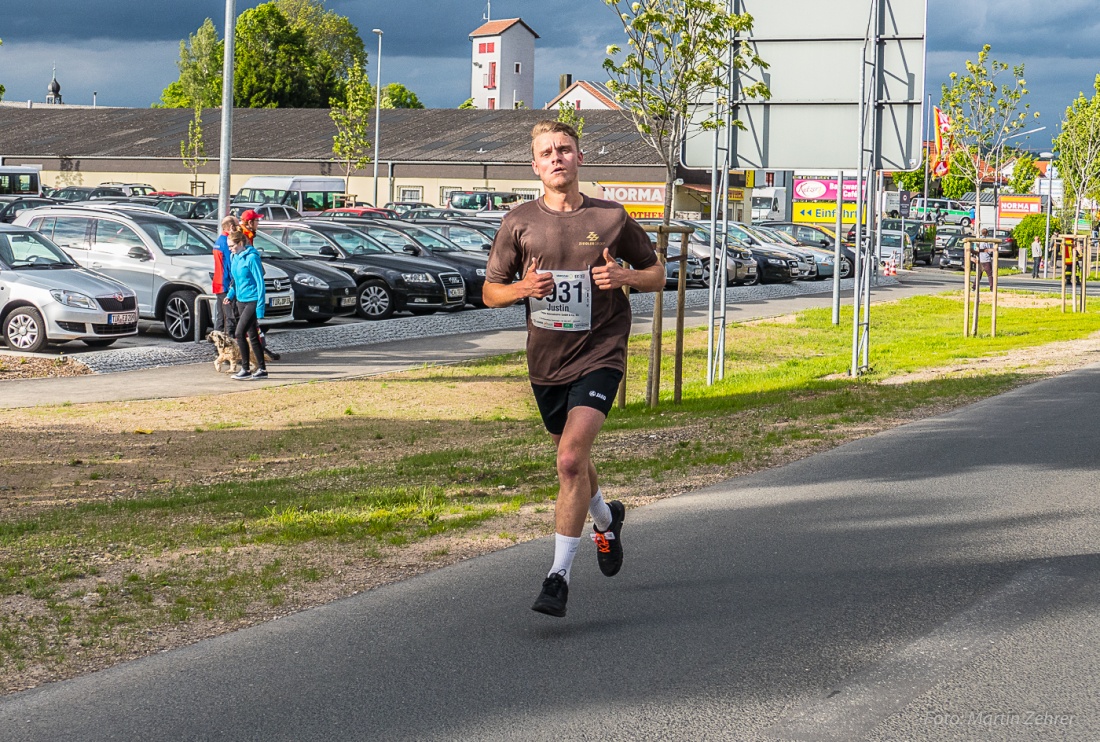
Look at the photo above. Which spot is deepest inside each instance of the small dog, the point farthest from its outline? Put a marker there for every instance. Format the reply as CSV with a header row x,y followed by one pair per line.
x,y
229,355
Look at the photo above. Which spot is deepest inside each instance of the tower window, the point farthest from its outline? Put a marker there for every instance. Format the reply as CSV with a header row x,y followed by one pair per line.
x,y
519,67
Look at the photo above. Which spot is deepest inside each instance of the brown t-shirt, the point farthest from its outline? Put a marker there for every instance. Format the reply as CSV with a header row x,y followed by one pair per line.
x,y
571,241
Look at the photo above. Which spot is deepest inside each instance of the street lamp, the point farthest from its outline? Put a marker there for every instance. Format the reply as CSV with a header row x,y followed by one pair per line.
x,y
1050,199
377,109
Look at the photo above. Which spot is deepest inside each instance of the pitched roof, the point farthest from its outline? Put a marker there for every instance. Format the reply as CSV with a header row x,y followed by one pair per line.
x,y
435,135
598,90
496,28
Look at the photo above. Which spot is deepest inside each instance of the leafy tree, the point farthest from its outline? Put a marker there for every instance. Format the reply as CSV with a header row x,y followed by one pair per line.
x,y
193,149
984,113
1078,148
1,86
200,65
1024,174
677,51
351,145
567,114
396,95
1032,226
333,40
956,186
273,62
467,104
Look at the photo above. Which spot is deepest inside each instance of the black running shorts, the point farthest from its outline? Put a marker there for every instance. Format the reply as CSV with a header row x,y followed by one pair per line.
x,y
596,389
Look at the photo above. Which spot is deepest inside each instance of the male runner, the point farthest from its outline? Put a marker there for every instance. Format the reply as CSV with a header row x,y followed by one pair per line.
x,y
578,320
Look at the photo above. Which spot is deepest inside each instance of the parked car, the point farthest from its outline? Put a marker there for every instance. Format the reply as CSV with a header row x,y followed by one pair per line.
x,y
321,292
893,242
422,242
484,200
266,211
13,206
952,254
190,207
367,212
402,206
434,213
466,237
165,260
806,266
131,189
308,194
46,297
824,259
385,282
812,235
942,211
86,193
487,227
946,232
695,276
1008,242
741,267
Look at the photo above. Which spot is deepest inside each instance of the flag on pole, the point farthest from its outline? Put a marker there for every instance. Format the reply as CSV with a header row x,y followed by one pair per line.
x,y
940,162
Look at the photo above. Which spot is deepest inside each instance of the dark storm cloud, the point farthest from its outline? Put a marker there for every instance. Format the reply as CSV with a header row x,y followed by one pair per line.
x,y
79,20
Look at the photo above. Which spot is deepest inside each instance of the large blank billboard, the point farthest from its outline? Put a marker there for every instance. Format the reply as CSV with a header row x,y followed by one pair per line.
x,y
815,52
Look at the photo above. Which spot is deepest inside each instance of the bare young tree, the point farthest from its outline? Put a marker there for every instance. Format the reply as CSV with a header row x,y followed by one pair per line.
x,y
677,52
352,117
193,149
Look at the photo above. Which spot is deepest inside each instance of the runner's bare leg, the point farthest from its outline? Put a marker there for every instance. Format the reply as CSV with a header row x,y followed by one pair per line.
x,y
576,473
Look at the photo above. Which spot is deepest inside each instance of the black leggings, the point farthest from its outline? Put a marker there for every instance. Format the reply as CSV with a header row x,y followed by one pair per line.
x,y
248,330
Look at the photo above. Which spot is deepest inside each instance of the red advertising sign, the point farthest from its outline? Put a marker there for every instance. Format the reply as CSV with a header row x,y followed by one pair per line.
x,y
1017,207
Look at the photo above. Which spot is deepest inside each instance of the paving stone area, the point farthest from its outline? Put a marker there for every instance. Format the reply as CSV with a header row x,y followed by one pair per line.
x,y
434,325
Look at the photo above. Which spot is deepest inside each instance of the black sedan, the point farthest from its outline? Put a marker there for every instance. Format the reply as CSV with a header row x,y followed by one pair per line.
x,y
385,282
321,292
424,242
190,207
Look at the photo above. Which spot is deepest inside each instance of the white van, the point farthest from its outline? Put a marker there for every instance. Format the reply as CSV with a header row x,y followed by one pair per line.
x,y
309,195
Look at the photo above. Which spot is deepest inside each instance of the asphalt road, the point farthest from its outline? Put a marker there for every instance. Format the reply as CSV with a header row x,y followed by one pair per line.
x,y
935,582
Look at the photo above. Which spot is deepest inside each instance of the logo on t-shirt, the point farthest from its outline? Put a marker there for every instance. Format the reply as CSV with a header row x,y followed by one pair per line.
x,y
592,239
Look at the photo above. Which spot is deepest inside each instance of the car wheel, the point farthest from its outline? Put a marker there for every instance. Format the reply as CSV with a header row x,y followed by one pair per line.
x,y
99,342
178,315
845,269
375,300
965,221
752,281
25,330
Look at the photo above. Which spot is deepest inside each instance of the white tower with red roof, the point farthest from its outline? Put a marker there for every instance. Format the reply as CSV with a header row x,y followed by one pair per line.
x,y
503,69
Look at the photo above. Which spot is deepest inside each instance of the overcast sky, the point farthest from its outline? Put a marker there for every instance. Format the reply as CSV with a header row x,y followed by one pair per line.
x,y
126,50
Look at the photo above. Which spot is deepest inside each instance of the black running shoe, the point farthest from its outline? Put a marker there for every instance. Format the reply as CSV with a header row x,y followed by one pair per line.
x,y
551,600
609,546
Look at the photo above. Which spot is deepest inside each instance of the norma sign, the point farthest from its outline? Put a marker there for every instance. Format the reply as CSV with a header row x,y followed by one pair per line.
x,y
641,200
1017,207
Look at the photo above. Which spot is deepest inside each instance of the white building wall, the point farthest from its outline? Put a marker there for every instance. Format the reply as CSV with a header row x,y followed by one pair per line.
x,y
515,45
480,69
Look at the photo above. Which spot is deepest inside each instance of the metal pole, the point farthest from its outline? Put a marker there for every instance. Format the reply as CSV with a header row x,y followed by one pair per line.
x,y
681,292
715,284
1050,201
859,210
377,109
993,300
836,245
225,164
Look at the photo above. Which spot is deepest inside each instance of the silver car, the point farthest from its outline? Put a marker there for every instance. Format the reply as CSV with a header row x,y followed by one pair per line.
x,y
45,297
165,260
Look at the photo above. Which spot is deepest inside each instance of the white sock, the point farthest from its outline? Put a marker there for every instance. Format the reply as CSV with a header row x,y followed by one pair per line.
x,y
565,547
600,511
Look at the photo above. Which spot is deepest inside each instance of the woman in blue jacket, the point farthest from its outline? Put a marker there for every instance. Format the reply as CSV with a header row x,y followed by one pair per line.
x,y
247,289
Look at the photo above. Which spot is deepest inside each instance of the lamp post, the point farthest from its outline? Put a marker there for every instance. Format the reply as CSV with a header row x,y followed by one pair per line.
x,y
377,109
1050,200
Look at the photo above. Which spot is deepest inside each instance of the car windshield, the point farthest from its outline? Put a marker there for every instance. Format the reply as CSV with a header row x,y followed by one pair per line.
x,y
175,237
354,241
891,240
269,247
469,238
778,235
489,230
30,250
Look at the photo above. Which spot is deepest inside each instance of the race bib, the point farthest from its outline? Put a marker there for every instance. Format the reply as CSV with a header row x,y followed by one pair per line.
x,y
569,305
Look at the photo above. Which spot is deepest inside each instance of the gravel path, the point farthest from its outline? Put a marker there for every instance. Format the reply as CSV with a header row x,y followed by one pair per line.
x,y
434,325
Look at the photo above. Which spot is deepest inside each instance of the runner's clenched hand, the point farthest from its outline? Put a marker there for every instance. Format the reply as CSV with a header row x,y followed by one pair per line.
x,y
611,275
535,284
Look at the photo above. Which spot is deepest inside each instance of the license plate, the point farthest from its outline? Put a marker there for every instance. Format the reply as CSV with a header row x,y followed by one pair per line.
x,y
795,271
347,301
125,318
280,301
455,293
698,274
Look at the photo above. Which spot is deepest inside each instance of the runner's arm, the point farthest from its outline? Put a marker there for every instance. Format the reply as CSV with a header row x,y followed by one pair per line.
x,y
614,276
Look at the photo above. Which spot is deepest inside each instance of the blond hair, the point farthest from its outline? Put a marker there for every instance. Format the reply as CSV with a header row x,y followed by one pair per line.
x,y
556,127
230,223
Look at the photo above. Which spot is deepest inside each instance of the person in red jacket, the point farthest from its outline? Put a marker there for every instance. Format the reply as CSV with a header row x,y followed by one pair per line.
x,y
225,315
